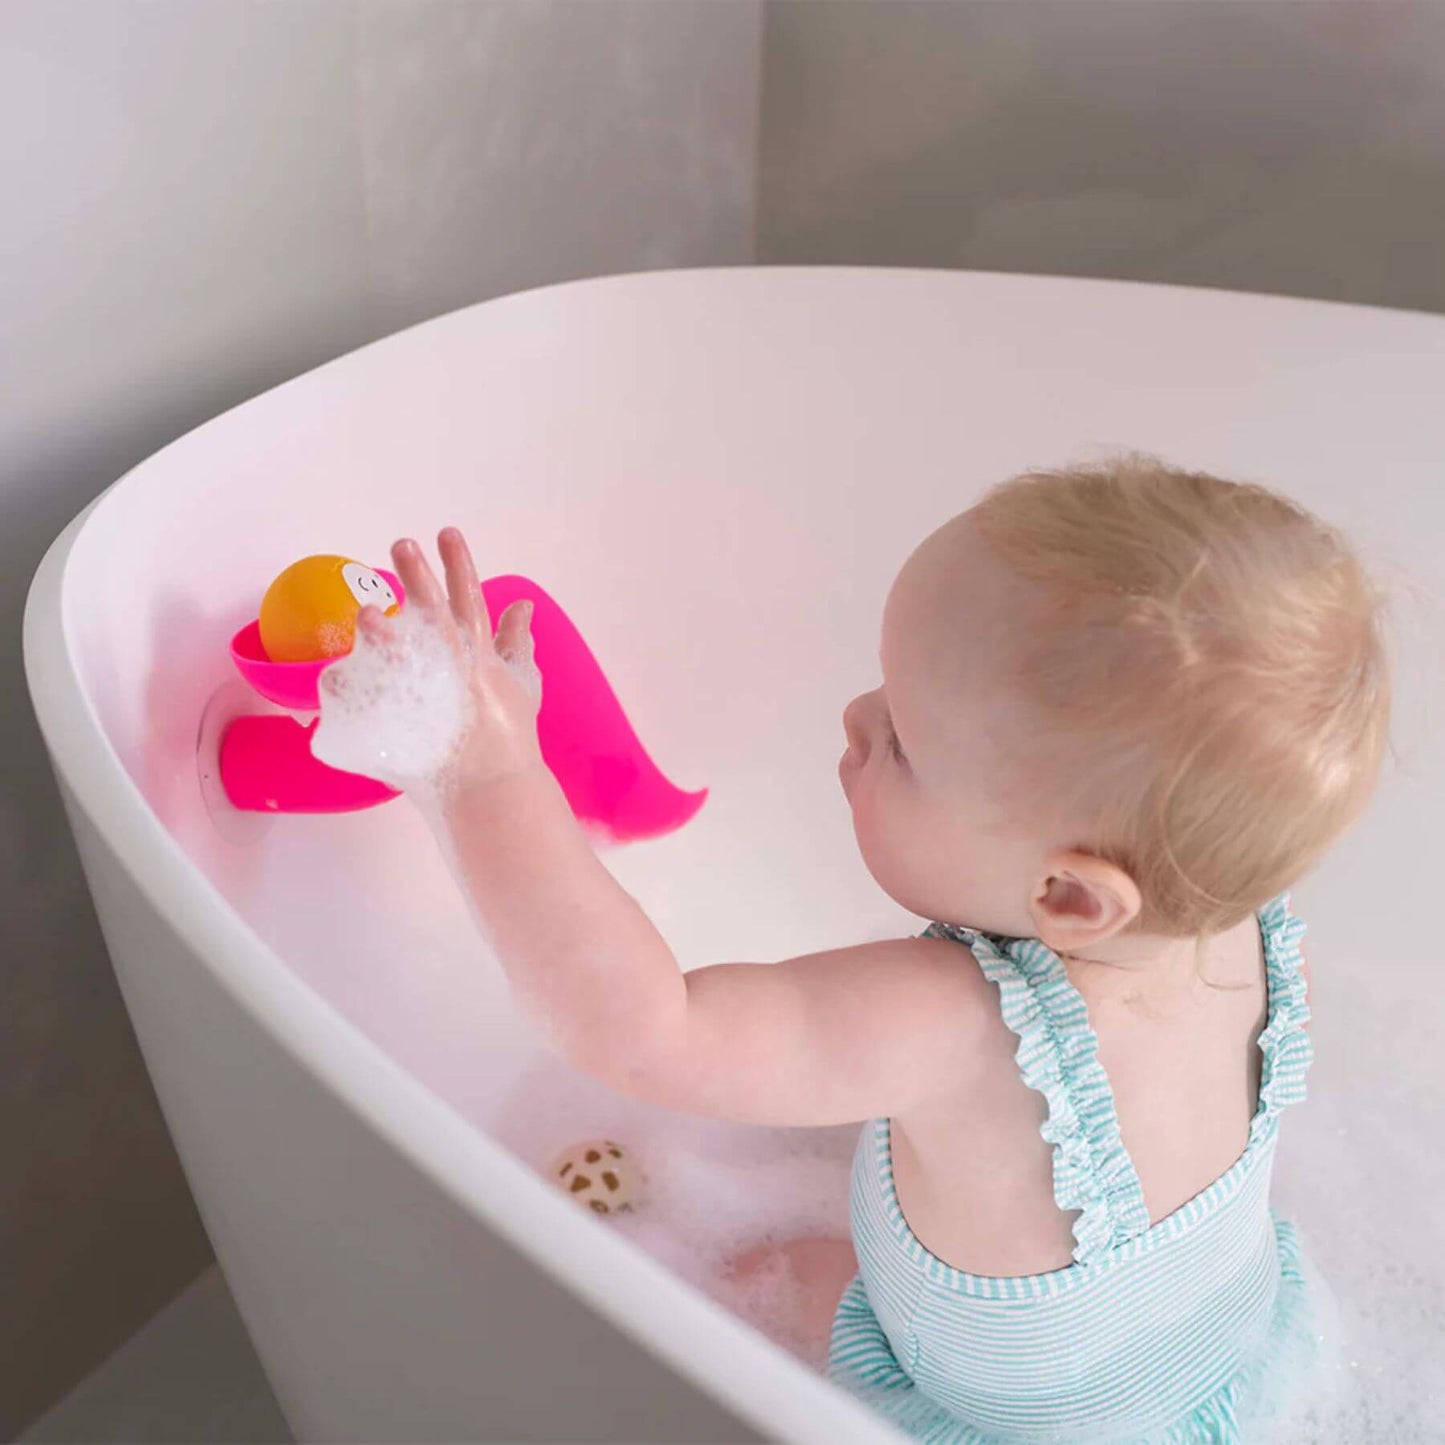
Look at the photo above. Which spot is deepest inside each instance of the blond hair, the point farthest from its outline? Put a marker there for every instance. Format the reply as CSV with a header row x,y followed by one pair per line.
x,y
1217,651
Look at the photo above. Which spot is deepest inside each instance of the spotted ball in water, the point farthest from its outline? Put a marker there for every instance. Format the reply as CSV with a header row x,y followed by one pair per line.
x,y
309,612
599,1174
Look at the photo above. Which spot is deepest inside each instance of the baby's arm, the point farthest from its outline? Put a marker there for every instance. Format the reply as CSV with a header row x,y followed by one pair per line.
x,y
827,1038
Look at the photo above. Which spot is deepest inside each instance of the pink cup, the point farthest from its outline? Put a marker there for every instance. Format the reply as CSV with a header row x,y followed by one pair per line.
x,y
290,685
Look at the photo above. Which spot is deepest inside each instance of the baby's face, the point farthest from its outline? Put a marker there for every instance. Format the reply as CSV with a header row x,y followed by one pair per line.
x,y
927,772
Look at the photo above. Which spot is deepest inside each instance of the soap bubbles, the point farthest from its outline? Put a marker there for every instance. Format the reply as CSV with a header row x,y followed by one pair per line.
x,y
396,708
715,1190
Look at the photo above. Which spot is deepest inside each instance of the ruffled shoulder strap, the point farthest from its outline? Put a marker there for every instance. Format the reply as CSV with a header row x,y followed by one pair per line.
x,y
1058,1056
1284,1042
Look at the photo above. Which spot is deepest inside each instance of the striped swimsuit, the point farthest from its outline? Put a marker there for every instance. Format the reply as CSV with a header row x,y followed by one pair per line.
x,y
1186,1330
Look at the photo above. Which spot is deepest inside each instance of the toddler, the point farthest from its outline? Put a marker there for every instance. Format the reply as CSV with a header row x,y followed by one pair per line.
x,y
1122,708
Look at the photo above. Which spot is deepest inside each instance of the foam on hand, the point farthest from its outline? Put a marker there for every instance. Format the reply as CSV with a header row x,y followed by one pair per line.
x,y
395,710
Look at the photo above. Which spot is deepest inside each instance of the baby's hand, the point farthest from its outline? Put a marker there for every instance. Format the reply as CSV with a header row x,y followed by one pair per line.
x,y
505,687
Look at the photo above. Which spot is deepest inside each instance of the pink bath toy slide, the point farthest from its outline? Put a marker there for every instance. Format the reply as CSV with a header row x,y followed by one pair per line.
x,y
267,767
265,762
586,740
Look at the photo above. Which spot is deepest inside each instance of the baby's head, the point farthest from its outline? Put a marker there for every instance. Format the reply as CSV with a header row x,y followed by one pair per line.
x,y
1116,698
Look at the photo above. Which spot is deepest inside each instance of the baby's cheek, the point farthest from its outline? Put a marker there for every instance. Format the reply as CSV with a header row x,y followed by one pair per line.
x,y
888,837
926,860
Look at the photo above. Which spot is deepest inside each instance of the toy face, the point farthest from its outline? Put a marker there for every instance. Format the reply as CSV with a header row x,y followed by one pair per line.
x,y
310,610
369,587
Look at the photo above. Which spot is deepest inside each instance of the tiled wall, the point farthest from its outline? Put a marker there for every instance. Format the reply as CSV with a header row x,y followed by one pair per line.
x,y
1251,144
202,199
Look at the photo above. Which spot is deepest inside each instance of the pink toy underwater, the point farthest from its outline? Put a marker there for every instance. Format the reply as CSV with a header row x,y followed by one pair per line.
x,y
608,778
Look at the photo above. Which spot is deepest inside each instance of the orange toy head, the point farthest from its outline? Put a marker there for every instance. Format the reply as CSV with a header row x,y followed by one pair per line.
x,y
309,611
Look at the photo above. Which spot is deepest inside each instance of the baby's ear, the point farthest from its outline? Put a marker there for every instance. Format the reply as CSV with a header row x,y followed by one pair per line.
x,y
1081,900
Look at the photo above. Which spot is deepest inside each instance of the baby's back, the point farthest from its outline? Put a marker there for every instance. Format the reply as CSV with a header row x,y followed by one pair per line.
x,y
981,1302
975,1177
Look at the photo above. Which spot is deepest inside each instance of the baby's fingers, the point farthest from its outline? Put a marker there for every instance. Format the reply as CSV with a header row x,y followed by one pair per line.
x,y
514,634
464,587
373,624
516,649
422,588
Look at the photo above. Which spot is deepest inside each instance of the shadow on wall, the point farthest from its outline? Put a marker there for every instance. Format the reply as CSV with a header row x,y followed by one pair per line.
x,y
1289,149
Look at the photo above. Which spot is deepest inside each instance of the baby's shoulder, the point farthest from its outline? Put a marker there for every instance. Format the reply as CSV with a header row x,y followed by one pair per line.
x,y
946,954
944,976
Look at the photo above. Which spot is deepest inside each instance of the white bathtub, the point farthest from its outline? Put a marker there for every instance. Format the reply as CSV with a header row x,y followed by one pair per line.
x,y
717,473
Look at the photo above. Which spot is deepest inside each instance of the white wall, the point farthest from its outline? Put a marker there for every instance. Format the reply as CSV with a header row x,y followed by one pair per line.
x,y
198,199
